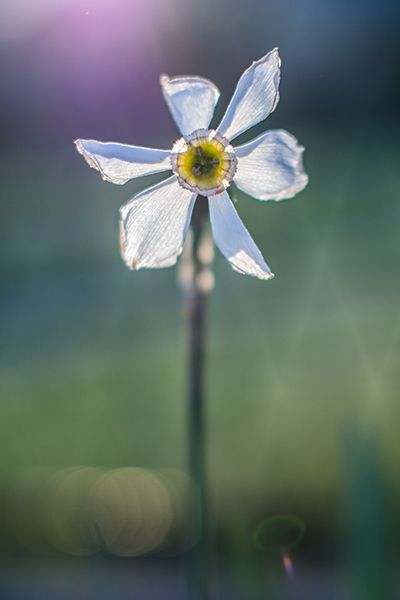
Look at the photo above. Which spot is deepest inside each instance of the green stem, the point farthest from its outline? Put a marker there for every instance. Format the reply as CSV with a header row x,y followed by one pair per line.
x,y
196,311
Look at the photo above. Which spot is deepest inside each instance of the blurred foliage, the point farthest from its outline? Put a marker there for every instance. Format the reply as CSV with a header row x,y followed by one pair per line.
x,y
93,371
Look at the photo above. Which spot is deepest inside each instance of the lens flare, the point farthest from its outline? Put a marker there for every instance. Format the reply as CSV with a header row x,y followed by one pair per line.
x,y
287,563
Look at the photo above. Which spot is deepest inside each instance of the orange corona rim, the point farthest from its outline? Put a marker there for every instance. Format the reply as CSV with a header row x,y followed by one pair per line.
x,y
204,162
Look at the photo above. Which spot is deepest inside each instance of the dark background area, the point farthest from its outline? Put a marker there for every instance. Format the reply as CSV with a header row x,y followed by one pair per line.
x,y
302,379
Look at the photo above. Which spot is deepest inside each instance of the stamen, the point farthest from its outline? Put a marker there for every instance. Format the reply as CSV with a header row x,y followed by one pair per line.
x,y
204,162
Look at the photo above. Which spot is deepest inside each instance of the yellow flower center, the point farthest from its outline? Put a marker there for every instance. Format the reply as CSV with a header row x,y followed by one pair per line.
x,y
204,162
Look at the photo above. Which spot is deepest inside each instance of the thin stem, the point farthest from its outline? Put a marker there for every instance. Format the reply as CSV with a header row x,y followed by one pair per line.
x,y
196,304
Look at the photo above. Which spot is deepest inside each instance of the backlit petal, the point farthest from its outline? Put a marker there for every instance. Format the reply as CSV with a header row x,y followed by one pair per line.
x,y
154,225
191,101
255,97
120,162
271,166
233,239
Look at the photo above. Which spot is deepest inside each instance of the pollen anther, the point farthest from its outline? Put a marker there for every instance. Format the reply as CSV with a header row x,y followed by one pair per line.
x,y
204,162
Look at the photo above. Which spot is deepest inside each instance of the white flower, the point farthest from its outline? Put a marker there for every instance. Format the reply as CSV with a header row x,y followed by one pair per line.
x,y
155,222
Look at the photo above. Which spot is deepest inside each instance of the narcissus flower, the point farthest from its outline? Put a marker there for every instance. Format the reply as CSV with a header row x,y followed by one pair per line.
x,y
155,222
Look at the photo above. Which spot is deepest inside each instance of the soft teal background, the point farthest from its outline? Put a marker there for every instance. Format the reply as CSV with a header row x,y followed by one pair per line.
x,y
302,371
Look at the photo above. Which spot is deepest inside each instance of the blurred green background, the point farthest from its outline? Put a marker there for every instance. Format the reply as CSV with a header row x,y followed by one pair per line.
x,y
303,405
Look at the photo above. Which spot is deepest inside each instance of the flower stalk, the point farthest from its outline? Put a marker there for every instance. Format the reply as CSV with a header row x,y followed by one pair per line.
x,y
197,282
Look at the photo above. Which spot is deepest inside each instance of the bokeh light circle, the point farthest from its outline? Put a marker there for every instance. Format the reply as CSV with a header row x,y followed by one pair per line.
x,y
278,533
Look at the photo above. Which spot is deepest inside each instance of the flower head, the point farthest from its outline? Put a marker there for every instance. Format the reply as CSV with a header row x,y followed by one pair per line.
x,y
154,223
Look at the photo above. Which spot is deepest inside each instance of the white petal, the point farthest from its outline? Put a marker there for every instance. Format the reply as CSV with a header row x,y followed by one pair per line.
x,y
154,225
191,101
233,239
271,166
120,162
255,97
